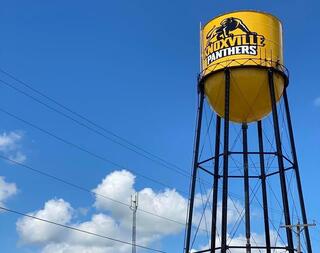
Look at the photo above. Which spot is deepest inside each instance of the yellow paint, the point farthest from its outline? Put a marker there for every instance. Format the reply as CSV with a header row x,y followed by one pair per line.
x,y
245,41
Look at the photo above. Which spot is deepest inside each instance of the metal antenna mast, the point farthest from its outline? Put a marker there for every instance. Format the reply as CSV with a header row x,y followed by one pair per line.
x,y
134,207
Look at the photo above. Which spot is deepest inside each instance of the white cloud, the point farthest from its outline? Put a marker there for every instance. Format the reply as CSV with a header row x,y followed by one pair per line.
x,y
37,232
168,203
114,220
7,190
68,248
111,219
234,210
10,146
56,239
119,185
316,102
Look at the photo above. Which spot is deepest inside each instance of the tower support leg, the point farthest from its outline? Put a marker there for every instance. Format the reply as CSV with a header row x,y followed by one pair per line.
x,y
296,168
264,189
282,175
224,222
215,185
246,185
195,167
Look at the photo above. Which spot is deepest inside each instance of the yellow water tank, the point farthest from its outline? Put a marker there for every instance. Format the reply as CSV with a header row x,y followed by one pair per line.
x,y
248,43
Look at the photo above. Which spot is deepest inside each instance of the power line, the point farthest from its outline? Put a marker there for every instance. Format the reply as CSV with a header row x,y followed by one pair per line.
x,y
159,160
86,151
175,169
76,186
178,170
78,230
90,153
81,148
84,189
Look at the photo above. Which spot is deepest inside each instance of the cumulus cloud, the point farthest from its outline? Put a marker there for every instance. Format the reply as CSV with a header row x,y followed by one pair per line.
x,y
37,232
56,239
119,185
316,102
115,220
10,146
7,190
110,219
68,248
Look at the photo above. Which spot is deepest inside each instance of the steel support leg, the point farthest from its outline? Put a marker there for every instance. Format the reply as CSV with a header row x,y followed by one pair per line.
x,y
283,183
296,168
224,222
215,185
195,168
264,189
246,185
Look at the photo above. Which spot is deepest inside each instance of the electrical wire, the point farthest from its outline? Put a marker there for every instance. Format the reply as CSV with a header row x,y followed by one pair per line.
x,y
99,157
176,169
162,162
76,186
84,150
78,230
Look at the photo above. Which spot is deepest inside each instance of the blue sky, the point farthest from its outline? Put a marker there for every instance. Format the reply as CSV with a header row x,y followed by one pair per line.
x,y
130,66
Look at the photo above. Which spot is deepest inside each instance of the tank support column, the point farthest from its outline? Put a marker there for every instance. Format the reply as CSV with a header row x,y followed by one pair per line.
x,y
215,185
195,166
224,221
246,184
296,168
283,183
264,189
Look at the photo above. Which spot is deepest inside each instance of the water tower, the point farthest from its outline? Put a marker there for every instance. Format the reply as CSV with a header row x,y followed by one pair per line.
x,y
243,79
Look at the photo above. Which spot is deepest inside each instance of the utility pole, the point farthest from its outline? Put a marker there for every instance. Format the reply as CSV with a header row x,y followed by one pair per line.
x,y
298,229
134,207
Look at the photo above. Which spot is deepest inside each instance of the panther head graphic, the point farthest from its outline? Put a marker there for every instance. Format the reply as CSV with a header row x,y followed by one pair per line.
x,y
227,26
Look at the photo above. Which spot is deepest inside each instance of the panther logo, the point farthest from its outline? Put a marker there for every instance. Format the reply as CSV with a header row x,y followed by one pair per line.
x,y
227,26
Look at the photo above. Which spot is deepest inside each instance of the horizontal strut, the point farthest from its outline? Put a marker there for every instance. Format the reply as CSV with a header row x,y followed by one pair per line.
x,y
248,153
243,247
